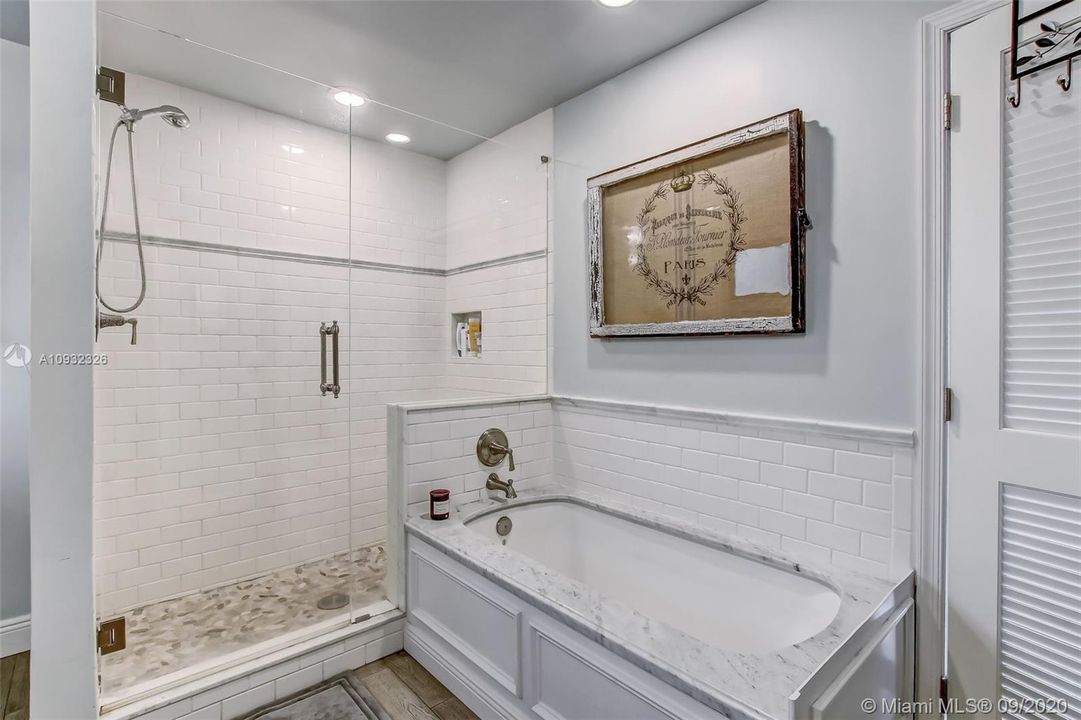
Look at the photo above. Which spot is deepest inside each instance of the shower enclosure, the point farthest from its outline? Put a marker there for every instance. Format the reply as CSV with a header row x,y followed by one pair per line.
x,y
301,271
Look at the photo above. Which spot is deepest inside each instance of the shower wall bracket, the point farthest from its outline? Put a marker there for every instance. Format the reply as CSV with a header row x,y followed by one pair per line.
x,y
111,85
112,635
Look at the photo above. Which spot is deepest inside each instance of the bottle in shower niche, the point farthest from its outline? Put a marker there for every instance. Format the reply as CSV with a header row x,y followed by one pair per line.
x,y
439,504
474,336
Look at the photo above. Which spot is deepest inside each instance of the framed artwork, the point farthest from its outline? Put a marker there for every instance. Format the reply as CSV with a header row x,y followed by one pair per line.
x,y
707,239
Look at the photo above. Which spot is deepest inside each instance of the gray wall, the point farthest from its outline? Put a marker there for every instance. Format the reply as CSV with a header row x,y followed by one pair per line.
x,y
853,68
14,327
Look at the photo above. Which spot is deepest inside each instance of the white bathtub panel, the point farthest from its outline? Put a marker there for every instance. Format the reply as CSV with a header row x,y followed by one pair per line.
x,y
721,598
486,698
558,674
485,627
572,681
882,671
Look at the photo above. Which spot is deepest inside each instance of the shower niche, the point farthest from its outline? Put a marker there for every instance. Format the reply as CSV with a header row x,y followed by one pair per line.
x,y
467,335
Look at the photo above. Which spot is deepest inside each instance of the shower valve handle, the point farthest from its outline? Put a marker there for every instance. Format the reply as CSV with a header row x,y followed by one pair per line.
x,y
109,320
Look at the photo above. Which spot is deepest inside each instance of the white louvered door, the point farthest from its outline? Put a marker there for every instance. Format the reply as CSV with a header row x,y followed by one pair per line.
x,y
1014,444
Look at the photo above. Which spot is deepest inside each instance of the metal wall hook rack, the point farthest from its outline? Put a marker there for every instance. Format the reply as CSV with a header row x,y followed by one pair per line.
x,y
1055,43
1064,81
1014,98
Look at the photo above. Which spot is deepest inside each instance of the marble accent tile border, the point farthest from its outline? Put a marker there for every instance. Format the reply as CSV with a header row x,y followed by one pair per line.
x,y
196,245
497,262
869,433
884,435
476,402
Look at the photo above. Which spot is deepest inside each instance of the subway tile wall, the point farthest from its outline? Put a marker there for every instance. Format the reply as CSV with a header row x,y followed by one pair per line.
x,y
497,194
216,457
512,302
441,444
843,501
250,178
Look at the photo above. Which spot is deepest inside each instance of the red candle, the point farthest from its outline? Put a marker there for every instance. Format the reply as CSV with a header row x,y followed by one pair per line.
x,y
439,504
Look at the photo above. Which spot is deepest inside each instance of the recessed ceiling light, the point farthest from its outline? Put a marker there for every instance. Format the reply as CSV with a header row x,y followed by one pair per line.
x,y
399,138
615,3
350,98
293,149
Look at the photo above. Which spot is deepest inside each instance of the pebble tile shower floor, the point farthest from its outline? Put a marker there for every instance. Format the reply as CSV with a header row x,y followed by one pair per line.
x,y
168,636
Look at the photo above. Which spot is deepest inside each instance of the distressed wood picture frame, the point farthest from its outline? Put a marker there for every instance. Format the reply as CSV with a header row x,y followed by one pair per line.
x,y
707,239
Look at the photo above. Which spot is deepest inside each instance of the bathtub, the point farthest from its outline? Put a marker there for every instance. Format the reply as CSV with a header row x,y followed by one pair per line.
x,y
563,605
666,577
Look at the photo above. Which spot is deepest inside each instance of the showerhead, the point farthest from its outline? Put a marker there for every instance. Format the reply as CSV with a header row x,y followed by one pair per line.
x,y
169,113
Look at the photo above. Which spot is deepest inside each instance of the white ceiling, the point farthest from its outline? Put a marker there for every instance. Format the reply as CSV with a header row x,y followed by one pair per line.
x,y
478,65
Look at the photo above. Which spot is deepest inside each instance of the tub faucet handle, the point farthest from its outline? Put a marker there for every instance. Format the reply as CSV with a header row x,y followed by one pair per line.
x,y
492,447
506,451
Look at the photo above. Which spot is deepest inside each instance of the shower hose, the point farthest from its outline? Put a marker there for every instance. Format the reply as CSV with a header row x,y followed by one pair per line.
x,y
135,211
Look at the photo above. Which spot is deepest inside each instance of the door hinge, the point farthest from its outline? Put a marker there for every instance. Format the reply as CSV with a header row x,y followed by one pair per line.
x,y
947,404
947,111
112,635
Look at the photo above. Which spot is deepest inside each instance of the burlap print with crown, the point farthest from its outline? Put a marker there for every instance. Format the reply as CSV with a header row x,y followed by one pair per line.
x,y
706,239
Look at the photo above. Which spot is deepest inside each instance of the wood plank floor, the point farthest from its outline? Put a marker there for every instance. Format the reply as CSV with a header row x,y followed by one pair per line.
x,y
409,692
15,687
405,689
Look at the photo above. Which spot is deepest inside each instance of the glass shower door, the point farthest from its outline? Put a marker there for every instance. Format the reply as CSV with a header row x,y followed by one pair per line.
x,y
448,298
222,468
241,490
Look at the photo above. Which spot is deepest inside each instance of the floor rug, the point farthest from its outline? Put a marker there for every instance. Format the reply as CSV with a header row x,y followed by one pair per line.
x,y
341,698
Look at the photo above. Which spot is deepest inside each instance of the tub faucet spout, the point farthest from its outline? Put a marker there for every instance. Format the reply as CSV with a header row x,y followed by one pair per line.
x,y
494,483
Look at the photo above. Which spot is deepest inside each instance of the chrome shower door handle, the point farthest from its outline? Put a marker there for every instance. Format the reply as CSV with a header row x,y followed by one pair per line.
x,y
323,387
333,331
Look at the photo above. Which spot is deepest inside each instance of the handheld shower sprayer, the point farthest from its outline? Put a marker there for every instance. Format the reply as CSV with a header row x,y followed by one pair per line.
x,y
169,113
128,117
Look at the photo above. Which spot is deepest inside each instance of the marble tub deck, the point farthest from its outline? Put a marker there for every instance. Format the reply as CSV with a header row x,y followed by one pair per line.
x,y
738,685
175,634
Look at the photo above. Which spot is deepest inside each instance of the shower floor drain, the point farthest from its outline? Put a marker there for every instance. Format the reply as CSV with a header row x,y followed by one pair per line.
x,y
333,601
